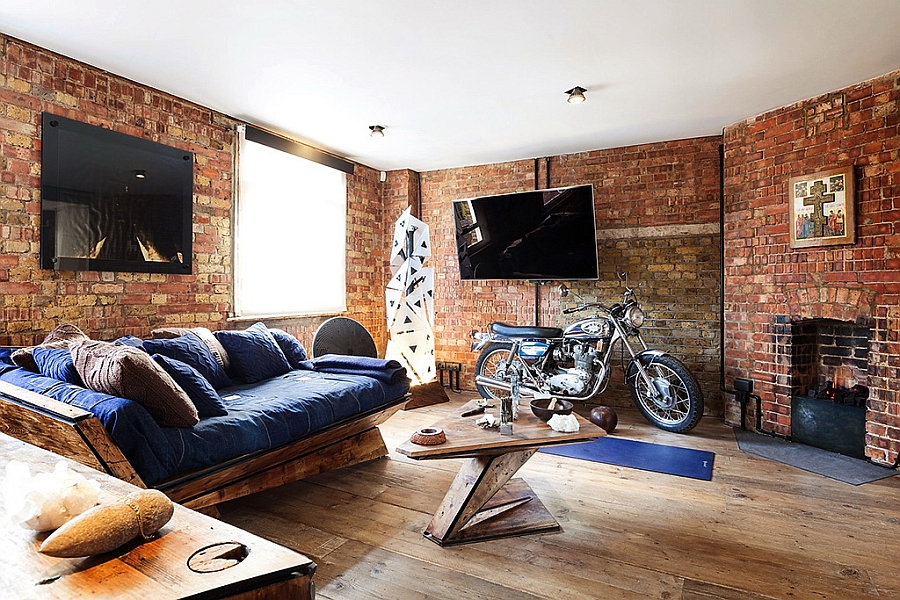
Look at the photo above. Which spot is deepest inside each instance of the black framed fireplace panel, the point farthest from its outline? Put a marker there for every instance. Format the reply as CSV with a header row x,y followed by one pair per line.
x,y
113,202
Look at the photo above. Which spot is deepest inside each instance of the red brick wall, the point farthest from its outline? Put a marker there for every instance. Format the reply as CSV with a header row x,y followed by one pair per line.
x,y
657,214
656,207
768,285
107,305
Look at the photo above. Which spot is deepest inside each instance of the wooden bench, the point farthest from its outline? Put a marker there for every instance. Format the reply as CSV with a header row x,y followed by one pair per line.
x,y
80,436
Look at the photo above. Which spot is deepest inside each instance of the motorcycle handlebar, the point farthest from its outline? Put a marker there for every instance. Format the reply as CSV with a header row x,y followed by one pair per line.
x,y
586,305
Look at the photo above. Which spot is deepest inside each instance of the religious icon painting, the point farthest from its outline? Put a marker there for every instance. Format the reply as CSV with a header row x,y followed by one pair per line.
x,y
822,209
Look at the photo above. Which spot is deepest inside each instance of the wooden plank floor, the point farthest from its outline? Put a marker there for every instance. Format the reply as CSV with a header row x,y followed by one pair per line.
x,y
758,530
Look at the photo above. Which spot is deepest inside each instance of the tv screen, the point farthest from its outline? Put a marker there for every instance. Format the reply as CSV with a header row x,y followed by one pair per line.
x,y
540,235
113,202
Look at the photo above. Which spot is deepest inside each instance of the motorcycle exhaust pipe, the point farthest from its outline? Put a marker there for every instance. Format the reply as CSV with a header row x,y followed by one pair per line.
x,y
487,381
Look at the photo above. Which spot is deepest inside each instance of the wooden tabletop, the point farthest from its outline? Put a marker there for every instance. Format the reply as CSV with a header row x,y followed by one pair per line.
x,y
154,569
466,439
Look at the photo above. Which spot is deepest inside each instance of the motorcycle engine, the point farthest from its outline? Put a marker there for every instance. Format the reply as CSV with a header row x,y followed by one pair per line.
x,y
571,383
575,381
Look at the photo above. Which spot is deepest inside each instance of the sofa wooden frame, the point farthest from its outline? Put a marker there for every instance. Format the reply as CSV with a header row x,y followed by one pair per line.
x,y
78,435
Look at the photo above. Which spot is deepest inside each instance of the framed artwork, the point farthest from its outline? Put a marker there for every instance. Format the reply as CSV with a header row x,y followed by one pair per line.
x,y
822,209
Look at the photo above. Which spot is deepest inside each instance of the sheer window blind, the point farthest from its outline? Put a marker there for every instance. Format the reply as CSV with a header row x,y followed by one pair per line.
x,y
290,232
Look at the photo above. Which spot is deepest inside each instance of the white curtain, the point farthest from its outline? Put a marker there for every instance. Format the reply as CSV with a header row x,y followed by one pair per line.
x,y
290,234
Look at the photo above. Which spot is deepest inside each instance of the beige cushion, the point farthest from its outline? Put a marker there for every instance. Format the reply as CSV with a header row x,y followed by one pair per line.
x,y
129,372
217,349
60,337
168,333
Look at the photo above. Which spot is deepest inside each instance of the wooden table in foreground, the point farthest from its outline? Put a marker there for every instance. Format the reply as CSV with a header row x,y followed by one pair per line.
x,y
147,570
483,502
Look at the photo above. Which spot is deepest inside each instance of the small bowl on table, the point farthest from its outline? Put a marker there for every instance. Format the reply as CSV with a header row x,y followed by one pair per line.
x,y
540,410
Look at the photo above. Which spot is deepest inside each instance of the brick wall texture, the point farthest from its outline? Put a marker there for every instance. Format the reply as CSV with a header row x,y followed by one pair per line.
x,y
658,220
657,215
769,286
107,305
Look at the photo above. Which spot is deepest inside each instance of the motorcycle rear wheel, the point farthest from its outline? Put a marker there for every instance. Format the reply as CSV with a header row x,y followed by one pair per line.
x,y
679,403
492,363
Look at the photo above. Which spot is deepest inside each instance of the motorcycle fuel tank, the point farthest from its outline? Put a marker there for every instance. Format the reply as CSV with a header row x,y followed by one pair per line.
x,y
588,328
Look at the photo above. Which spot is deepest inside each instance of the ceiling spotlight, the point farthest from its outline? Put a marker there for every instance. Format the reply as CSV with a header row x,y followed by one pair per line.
x,y
140,174
377,131
576,95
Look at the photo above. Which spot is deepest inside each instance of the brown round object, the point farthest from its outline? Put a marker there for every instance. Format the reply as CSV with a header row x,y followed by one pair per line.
x,y
605,418
430,436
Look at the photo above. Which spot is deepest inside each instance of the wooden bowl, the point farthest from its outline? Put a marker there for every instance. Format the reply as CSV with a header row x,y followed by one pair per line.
x,y
430,436
540,410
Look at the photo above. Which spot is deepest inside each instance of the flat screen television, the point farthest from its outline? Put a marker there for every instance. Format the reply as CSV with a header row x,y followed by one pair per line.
x,y
113,202
542,235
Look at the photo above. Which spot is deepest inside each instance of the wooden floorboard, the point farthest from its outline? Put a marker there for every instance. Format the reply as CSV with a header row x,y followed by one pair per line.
x,y
759,530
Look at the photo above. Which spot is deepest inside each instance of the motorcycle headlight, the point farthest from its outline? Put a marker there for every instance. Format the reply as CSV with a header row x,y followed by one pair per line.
x,y
634,316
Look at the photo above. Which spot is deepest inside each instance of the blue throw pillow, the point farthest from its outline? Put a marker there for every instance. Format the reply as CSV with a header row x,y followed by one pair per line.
x,y
198,389
6,355
291,346
130,340
254,353
190,349
56,363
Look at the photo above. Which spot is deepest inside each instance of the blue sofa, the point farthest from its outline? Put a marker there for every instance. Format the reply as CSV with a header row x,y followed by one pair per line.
x,y
267,426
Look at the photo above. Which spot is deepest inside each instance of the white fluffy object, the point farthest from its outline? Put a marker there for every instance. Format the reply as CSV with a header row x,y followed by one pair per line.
x,y
564,423
46,500
488,421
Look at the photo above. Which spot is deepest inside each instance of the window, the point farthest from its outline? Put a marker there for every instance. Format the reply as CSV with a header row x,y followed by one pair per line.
x,y
290,230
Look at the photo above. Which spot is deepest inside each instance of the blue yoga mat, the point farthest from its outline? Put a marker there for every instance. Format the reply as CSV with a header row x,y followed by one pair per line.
x,y
672,460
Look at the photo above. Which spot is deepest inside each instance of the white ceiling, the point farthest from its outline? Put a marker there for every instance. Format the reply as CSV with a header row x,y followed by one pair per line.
x,y
467,82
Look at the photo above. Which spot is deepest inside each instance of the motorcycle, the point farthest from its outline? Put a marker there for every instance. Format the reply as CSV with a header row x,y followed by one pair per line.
x,y
574,362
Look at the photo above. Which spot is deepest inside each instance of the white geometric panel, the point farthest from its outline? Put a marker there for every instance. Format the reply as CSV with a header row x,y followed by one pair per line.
x,y
410,299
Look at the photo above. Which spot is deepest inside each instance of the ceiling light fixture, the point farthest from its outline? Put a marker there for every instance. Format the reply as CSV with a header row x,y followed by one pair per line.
x,y
576,95
377,131
140,174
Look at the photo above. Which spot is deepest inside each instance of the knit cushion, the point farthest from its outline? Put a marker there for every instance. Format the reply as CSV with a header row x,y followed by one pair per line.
x,y
130,373
254,353
190,349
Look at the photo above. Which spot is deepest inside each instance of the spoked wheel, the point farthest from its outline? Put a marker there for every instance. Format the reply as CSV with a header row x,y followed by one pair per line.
x,y
675,401
492,363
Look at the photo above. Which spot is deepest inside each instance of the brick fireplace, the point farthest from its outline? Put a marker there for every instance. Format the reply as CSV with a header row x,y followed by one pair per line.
x,y
774,293
829,359
828,372
854,353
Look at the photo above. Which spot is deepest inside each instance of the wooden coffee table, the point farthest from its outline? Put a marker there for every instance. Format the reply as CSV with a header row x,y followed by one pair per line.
x,y
483,502
143,570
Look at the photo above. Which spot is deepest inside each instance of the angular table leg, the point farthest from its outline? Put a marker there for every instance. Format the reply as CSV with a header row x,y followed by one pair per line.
x,y
478,506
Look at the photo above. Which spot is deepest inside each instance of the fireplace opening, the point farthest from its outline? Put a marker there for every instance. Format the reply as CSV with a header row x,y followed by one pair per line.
x,y
829,369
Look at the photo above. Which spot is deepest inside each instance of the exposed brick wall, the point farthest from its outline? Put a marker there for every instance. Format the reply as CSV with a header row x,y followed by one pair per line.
x,y
657,214
768,285
656,206
104,304
107,305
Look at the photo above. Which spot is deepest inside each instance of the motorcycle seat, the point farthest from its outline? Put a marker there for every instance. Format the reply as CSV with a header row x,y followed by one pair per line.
x,y
515,331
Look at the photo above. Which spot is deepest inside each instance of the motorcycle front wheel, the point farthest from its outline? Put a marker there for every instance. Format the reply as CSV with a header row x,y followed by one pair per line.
x,y
492,363
677,404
